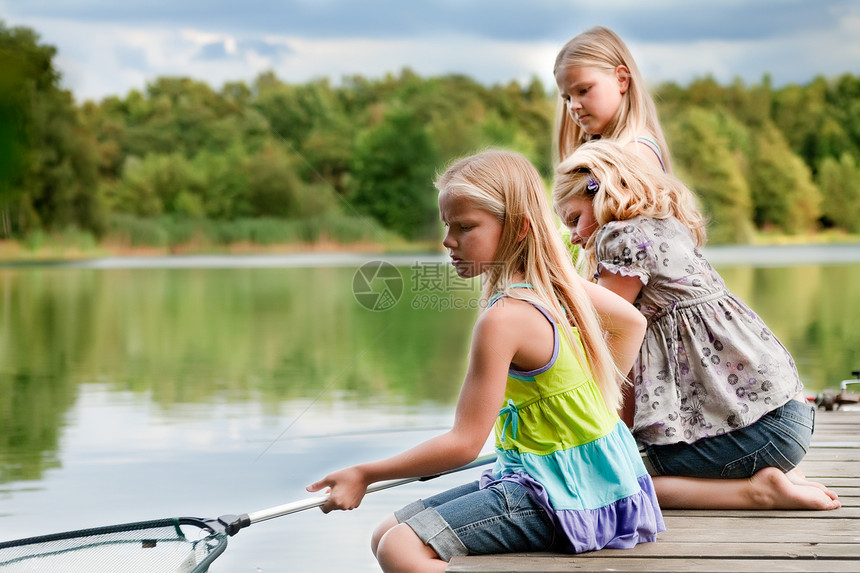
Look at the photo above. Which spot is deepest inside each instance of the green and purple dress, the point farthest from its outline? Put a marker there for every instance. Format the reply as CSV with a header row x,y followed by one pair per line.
x,y
556,436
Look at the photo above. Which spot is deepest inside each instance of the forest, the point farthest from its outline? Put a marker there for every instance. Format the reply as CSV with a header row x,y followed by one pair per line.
x,y
271,162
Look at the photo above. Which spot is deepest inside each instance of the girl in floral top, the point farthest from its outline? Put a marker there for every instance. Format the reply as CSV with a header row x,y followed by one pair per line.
x,y
716,395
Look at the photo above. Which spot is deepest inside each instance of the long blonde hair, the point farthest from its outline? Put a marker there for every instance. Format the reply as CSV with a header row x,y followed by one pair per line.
x,y
602,48
506,185
627,186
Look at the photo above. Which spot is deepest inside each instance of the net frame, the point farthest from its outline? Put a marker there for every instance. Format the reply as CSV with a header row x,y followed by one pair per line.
x,y
155,546
44,554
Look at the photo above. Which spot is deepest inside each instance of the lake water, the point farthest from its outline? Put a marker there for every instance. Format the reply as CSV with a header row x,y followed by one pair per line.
x,y
136,389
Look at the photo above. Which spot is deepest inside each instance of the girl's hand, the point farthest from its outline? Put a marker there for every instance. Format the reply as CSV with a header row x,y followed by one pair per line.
x,y
347,488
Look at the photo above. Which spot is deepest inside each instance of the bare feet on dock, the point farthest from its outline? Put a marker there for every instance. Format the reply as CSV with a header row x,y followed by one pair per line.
x,y
772,489
796,476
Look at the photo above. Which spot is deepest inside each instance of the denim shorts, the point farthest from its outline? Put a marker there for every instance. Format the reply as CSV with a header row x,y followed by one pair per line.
x,y
779,439
467,520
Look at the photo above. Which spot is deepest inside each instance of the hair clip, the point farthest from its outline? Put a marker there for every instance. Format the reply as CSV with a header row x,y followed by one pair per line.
x,y
592,185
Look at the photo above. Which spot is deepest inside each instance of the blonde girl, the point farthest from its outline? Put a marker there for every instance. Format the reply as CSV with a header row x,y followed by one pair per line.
x,y
541,374
601,94
716,396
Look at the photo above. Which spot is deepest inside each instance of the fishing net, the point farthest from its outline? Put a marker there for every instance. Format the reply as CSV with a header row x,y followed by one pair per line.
x,y
173,545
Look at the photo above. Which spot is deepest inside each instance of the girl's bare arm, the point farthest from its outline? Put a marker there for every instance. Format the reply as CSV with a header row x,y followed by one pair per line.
x,y
624,325
494,343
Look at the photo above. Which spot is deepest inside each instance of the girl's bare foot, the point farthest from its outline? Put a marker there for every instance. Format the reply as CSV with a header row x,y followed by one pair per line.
x,y
798,478
772,489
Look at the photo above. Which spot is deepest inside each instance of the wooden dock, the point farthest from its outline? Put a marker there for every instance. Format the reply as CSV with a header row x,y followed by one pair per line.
x,y
737,541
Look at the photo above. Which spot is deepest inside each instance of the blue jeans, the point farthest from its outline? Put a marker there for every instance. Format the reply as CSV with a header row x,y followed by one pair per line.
x,y
466,520
779,439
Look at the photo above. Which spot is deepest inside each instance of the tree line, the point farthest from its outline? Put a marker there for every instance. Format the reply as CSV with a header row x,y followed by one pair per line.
x,y
271,161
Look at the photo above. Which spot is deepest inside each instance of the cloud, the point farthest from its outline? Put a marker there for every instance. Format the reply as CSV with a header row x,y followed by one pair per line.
x,y
265,48
213,51
106,47
486,61
666,20
798,57
131,58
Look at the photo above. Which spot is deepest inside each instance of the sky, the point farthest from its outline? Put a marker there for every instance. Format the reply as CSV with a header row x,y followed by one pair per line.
x,y
109,47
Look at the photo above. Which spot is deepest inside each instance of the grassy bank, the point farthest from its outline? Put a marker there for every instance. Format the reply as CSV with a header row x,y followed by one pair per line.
x,y
129,236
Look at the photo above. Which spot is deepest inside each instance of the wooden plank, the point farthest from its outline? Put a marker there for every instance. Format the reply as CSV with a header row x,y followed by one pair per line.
x,y
844,433
849,502
541,564
829,469
829,437
837,418
741,550
766,530
842,481
832,454
841,513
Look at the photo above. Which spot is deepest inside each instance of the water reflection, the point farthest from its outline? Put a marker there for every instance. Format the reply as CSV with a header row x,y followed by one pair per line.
x,y
280,340
813,309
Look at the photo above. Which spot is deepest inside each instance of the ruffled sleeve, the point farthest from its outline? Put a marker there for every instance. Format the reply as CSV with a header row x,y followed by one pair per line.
x,y
621,247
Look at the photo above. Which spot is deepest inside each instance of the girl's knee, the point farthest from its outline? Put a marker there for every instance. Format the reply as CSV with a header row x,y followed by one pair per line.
x,y
381,530
400,550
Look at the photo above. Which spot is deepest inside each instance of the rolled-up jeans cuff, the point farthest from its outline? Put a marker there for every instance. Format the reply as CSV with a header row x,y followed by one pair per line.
x,y
411,510
435,532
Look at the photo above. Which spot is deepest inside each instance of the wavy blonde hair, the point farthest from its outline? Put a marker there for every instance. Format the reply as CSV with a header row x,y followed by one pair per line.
x,y
506,185
603,49
628,186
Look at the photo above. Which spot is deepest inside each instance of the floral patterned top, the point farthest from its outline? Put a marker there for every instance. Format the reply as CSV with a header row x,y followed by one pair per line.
x,y
708,364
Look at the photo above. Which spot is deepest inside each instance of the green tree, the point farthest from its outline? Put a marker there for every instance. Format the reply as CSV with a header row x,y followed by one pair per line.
x,y
783,193
275,189
159,184
291,110
801,114
310,120
50,169
700,140
454,108
13,129
844,109
392,173
225,191
839,181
